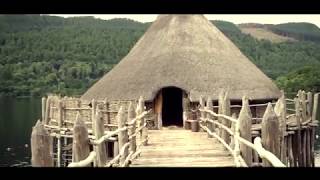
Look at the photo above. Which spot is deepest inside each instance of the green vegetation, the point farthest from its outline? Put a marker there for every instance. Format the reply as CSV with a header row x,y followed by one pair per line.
x,y
299,31
42,54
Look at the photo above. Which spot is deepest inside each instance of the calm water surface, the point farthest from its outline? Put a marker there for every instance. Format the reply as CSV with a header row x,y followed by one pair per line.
x,y
17,116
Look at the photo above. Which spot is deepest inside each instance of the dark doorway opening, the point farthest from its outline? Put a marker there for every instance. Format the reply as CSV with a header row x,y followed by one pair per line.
x,y
172,106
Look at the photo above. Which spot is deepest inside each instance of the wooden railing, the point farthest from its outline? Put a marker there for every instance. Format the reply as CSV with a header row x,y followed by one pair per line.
x,y
235,143
274,144
131,133
127,133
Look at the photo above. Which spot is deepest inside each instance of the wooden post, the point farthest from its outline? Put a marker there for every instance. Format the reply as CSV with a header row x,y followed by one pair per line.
x,y
315,106
312,139
43,109
245,123
123,135
60,113
47,112
116,148
41,147
101,150
132,129
60,124
220,106
270,133
308,151
195,124
290,152
226,111
144,131
309,104
93,112
302,97
233,128
185,107
80,146
298,135
208,115
280,110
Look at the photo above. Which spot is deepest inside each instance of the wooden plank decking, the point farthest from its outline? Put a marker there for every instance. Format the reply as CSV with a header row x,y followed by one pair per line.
x,y
182,148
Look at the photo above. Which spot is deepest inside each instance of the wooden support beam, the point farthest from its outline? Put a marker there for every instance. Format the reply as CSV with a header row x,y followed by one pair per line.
x,y
41,147
309,104
80,146
132,129
208,116
100,149
122,135
280,110
245,123
315,106
47,115
298,135
43,109
270,133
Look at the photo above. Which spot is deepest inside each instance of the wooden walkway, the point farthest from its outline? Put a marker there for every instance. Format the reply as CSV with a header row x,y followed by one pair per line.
x,y
182,148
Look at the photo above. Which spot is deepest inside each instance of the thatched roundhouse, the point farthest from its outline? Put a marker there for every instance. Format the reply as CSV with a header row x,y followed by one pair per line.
x,y
178,59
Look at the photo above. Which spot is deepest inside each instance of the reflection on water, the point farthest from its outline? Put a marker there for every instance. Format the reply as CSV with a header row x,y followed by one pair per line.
x,y
18,115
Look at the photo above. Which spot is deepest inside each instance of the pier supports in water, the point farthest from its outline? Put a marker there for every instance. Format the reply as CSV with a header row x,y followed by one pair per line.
x,y
41,147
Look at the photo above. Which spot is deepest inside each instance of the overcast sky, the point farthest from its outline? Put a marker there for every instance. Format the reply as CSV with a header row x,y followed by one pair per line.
x,y
235,18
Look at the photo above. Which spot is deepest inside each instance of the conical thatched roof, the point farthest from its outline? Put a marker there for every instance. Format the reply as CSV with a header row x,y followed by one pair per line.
x,y
185,51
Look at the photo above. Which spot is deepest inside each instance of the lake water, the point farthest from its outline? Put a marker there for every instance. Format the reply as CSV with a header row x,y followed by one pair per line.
x,y
17,116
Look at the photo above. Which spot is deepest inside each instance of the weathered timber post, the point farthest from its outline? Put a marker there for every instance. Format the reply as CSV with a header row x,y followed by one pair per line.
x,y
237,151
233,128
143,122
80,145
101,151
132,129
208,116
245,123
220,106
290,150
302,97
315,106
122,135
195,123
270,133
60,124
185,107
46,119
280,110
308,151
93,112
43,109
309,104
226,111
298,133
41,147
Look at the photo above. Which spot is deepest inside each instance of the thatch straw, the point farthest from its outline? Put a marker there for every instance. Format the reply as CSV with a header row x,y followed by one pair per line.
x,y
185,51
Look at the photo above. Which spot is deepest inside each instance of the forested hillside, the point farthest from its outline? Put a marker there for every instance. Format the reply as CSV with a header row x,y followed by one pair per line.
x,y
41,54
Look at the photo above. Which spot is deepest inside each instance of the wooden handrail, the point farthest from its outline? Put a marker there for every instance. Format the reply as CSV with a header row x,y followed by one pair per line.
x,y
257,146
84,162
218,115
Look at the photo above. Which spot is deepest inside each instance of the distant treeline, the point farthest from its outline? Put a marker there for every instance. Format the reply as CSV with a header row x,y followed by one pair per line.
x,y
42,54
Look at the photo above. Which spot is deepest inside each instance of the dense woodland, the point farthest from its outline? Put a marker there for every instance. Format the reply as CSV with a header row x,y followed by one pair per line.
x,y
42,54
